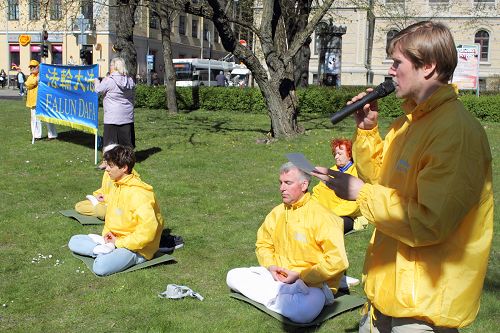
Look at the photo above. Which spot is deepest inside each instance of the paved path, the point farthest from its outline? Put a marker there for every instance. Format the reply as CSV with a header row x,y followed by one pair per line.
x,y
10,93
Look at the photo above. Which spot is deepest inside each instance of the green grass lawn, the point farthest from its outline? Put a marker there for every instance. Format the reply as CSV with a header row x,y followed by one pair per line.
x,y
214,184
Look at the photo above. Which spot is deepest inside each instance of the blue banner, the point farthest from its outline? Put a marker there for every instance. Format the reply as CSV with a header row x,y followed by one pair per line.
x,y
66,96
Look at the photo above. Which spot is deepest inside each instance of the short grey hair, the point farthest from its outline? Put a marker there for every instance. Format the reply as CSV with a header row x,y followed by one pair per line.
x,y
119,65
289,166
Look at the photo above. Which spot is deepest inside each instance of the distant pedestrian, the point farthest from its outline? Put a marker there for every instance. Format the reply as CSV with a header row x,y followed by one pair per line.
x,y
21,78
221,79
3,78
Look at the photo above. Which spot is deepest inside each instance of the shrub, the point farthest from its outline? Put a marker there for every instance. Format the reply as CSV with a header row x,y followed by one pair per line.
x,y
314,99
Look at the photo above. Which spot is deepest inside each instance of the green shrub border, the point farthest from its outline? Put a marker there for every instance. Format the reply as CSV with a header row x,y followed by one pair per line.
x,y
313,99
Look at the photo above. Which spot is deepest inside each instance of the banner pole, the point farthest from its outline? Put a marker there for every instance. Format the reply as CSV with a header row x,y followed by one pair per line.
x,y
95,149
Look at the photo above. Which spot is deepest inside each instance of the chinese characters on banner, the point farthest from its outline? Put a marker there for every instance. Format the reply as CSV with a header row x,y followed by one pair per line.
x,y
466,75
66,96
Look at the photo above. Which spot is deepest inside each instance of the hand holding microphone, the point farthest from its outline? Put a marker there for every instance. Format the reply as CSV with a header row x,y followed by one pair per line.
x,y
382,90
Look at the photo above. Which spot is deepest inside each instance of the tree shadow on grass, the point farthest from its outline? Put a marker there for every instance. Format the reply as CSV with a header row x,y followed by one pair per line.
x,y
142,155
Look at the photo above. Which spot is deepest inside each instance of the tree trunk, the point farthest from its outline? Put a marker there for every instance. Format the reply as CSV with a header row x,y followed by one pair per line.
x,y
125,35
282,105
165,14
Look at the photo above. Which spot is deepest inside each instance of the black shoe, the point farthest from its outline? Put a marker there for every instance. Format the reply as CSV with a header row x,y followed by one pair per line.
x,y
169,243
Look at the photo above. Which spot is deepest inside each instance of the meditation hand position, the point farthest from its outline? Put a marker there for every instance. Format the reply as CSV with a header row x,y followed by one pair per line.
x,y
133,224
300,247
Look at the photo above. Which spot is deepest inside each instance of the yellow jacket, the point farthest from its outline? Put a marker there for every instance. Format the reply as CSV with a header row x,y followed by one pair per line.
x,y
305,238
330,200
32,89
134,217
430,199
107,186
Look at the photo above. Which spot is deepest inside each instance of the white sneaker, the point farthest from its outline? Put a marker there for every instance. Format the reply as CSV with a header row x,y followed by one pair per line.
x,y
348,282
175,291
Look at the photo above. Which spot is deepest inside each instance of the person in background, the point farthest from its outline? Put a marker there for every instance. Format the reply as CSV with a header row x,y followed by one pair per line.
x,y
221,79
427,190
347,210
118,89
32,90
3,78
20,81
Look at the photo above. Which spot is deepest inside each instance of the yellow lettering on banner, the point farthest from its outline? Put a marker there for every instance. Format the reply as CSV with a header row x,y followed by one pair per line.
x,y
48,100
72,104
86,110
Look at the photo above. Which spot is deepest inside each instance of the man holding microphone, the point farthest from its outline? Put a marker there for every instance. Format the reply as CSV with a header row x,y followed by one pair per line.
x,y
426,188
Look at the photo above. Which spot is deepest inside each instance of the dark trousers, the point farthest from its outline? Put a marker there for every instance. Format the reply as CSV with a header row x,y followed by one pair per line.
x,y
119,134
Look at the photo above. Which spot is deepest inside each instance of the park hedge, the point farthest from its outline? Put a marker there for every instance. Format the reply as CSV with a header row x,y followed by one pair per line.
x,y
313,99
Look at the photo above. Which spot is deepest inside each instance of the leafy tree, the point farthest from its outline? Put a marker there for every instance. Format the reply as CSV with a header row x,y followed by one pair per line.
x,y
283,30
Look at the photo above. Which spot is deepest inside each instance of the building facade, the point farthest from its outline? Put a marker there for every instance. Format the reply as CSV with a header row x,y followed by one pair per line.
x,y
366,26
84,31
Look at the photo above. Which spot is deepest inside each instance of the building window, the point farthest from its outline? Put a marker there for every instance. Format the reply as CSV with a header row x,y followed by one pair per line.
x,y
483,39
216,35
438,1
317,44
88,9
55,10
34,10
484,1
194,28
14,55
57,54
205,32
13,9
153,20
394,1
182,25
390,36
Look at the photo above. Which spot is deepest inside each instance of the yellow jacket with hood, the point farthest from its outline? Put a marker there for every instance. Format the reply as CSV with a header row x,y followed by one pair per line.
x,y
134,217
330,200
429,196
306,238
107,185
31,90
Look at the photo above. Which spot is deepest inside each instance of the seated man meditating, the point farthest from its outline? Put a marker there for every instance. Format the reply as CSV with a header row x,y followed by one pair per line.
x,y
347,210
300,247
133,223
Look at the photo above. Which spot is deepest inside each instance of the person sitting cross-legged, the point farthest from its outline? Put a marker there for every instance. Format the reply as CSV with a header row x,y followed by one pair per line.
x,y
300,249
133,223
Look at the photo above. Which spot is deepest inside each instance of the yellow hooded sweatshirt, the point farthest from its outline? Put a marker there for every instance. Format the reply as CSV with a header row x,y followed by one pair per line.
x,y
330,200
134,216
429,196
306,238
31,90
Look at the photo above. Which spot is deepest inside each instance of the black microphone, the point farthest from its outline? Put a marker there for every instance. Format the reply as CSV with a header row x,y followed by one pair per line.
x,y
382,90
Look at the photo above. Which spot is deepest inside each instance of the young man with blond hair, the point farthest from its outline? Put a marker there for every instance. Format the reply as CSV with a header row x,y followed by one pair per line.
x,y
427,191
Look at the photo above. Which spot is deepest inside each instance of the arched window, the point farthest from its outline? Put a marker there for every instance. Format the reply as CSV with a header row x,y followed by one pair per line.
x,y
482,38
390,36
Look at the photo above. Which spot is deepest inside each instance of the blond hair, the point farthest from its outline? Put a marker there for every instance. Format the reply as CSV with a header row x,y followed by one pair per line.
x,y
427,42
119,65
